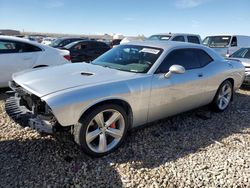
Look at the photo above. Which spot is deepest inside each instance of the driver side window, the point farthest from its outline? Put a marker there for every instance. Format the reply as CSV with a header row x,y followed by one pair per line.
x,y
184,57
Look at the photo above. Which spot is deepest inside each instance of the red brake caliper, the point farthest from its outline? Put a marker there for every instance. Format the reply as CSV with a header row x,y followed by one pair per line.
x,y
112,126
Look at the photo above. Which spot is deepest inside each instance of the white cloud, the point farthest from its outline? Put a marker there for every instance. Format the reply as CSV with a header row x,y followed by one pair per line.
x,y
184,4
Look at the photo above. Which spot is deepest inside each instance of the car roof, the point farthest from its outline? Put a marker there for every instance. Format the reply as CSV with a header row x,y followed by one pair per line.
x,y
18,39
89,40
172,34
64,38
164,44
14,38
218,35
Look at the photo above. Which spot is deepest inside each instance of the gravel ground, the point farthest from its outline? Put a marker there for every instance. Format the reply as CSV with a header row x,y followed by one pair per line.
x,y
193,149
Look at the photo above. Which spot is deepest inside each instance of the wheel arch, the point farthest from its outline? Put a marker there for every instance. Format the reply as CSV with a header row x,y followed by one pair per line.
x,y
124,104
231,80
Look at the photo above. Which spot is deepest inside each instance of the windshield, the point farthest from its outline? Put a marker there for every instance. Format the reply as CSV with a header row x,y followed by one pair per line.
x,y
242,53
131,58
159,37
56,42
217,41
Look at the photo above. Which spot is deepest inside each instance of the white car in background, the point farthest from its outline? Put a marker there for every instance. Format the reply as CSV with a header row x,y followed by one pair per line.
x,y
48,40
226,45
178,37
17,54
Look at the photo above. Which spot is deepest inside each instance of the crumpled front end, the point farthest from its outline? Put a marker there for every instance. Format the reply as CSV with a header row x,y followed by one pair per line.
x,y
28,109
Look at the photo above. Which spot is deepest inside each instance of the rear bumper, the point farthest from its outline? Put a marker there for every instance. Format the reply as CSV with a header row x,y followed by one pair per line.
x,y
25,117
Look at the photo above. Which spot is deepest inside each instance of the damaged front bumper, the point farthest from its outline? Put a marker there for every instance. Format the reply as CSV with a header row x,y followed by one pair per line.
x,y
28,109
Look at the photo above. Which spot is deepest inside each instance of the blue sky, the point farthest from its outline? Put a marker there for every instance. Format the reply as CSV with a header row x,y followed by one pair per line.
x,y
128,17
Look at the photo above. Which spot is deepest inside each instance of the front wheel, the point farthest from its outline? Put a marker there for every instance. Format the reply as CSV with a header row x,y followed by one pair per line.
x,y
102,130
223,96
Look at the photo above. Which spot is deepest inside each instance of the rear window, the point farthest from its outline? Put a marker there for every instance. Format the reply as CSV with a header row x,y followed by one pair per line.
x,y
203,57
217,41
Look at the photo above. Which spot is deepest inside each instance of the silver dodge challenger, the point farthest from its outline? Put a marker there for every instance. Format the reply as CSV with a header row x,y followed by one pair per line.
x,y
128,86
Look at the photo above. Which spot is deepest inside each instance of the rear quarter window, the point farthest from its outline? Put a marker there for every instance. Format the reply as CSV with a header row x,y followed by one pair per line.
x,y
203,57
28,48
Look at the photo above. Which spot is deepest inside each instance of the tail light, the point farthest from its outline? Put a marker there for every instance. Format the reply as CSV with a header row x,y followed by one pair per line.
x,y
67,57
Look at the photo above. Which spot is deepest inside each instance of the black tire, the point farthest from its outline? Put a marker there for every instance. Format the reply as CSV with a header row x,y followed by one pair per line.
x,y
215,104
80,129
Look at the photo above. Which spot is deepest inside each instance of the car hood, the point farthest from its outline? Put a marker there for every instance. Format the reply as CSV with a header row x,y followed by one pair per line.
x,y
44,81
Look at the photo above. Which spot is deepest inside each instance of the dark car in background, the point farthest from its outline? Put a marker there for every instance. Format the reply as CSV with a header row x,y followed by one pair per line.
x,y
63,41
115,42
86,50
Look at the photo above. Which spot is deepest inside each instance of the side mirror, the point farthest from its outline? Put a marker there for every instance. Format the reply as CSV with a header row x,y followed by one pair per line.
x,y
176,69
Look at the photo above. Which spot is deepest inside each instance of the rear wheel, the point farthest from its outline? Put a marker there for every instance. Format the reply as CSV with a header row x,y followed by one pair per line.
x,y
223,96
102,130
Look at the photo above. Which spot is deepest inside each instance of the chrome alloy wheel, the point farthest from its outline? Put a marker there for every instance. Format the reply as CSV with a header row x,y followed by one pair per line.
x,y
105,131
224,97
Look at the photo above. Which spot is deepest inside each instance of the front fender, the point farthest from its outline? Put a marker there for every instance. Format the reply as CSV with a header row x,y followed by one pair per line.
x,y
69,105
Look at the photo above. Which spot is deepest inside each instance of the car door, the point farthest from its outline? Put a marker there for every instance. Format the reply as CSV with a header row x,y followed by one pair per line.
x,y
78,52
14,57
94,50
179,92
102,47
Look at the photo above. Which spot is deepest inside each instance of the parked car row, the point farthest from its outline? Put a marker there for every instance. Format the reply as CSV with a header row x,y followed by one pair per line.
x,y
85,50
224,45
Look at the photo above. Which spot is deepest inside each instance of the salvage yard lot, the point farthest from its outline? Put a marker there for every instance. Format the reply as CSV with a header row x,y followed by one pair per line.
x,y
194,149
